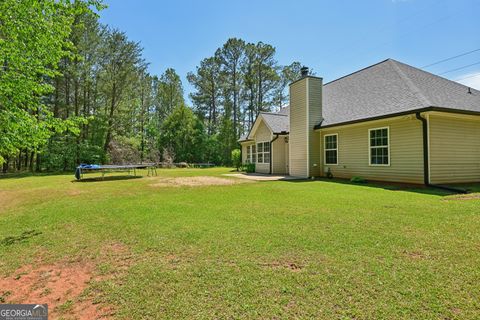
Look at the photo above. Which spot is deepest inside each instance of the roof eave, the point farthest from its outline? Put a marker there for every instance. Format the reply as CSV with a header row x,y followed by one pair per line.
x,y
391,115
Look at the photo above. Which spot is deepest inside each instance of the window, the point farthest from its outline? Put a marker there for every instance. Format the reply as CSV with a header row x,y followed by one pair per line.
x,y
379,146
263,152
331,149
251,154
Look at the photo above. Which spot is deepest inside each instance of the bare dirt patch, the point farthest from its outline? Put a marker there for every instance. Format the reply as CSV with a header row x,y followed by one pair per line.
x,y
116,259
463,197
9,199
415,255
59,285
194,181
73,193
292,266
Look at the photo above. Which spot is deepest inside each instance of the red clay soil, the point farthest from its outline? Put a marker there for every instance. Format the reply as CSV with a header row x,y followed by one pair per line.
x,y
59,285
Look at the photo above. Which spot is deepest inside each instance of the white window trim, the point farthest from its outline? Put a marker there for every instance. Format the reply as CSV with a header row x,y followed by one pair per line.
x,y
263,152
325,149
370,148
249,159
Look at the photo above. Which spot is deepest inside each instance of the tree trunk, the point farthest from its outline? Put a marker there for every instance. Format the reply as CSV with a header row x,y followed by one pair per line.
x,y
67,96
77,110
26,158
32,157
260,92
235,103
55,106
39,163
110,119
19,161
5,165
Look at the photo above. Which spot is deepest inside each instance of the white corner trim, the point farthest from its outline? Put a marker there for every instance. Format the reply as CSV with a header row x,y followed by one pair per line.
x,y
429,151
308,126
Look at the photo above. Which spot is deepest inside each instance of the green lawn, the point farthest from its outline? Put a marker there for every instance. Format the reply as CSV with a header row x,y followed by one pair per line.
x,y
270,250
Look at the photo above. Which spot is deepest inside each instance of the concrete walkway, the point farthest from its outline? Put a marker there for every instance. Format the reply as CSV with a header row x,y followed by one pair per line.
x,y
261,177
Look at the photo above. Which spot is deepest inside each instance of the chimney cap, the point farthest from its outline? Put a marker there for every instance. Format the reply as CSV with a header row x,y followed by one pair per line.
x,y
304,71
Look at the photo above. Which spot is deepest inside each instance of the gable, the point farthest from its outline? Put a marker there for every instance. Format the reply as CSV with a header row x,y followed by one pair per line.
x,y
260,130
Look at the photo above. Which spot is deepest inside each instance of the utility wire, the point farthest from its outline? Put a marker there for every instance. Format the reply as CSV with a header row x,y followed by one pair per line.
x,y
464,67
451,58
470,76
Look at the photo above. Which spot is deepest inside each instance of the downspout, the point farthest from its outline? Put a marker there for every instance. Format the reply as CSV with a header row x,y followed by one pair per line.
x,y
276,137
426,167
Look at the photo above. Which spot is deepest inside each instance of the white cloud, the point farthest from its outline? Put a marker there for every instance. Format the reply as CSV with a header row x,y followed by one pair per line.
x,y
471,80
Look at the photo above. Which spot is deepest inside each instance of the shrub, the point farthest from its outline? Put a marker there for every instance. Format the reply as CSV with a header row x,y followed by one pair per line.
x,y
357,179
249,168
237,158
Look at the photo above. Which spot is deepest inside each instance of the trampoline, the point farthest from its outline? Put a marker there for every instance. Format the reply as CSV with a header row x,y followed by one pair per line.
x,y
88,168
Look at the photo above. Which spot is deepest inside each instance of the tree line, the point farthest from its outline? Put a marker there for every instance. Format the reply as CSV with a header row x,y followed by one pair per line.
x,y
73,90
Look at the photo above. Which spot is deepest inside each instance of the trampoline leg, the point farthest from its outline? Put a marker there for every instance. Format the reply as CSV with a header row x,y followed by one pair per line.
x,y
134,172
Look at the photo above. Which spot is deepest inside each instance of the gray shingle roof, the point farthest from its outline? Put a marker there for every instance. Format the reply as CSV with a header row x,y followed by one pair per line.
x,y
278,122
243,137
391,87
386,88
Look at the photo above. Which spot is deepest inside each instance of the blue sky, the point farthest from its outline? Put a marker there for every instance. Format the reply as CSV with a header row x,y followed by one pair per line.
x,y
332,37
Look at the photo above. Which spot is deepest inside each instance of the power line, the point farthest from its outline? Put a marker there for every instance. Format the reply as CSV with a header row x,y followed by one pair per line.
x,y
470,76
464,67
451,58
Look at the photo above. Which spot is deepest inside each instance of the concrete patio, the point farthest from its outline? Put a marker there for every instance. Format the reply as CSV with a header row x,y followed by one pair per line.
x,y
262,177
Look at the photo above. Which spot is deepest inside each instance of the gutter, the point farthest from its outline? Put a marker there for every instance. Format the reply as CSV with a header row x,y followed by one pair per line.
x,y
276,137
391,115
426,167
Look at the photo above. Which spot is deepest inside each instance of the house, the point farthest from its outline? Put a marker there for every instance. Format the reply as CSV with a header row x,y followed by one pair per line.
x,y
387,122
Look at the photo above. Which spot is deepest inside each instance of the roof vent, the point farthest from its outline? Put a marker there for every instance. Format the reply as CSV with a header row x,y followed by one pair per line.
x,y
304,71
469,90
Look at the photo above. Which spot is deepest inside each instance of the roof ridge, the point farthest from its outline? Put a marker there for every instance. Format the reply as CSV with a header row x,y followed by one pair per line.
x,y
433,74
418,93
360,70
273,113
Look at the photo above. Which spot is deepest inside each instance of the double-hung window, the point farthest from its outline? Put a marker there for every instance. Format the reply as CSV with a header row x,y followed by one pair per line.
x,y
263,152
379,146
331,148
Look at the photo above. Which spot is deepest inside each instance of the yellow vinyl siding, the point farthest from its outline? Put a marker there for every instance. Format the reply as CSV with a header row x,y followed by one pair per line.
x,y
314,118
262,134
298,129
406,151
454,149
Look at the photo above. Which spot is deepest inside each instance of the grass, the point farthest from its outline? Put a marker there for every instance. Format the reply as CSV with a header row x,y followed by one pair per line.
x,y
308,249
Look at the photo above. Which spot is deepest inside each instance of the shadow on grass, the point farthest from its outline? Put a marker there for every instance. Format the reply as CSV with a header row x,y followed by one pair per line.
x,y
107,178
393,186
28,174
10,240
